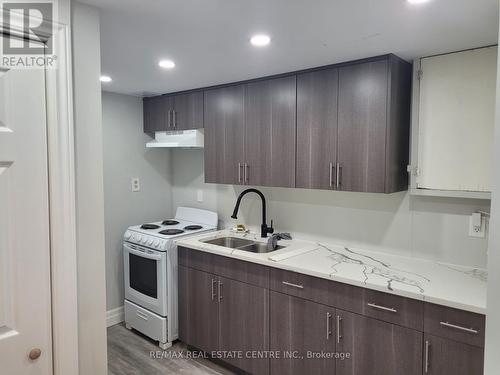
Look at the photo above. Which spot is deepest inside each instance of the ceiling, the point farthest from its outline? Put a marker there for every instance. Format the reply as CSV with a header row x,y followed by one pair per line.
x,y
209,39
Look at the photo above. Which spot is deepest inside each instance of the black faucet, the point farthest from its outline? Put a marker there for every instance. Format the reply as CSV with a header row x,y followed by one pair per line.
x,y
264,229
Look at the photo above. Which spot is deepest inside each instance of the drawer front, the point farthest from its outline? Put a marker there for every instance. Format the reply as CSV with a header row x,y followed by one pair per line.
x,y
315,289
454,324
235,269
398,310
197,260
145,321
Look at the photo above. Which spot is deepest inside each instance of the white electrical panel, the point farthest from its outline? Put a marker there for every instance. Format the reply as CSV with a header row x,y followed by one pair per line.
x,y
456,120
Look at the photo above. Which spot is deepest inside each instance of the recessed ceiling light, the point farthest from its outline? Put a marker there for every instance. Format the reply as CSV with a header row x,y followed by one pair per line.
x,y
166,64
260,40
105,79
418,1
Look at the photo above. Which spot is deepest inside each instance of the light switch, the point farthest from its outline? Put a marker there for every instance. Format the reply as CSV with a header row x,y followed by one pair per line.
x,y
136,184
199,195
477,224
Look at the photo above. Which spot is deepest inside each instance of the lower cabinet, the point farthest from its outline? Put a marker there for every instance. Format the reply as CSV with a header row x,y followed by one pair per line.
x,y
278,323
198,309
226,318
377,347
244,325
302,332
445,357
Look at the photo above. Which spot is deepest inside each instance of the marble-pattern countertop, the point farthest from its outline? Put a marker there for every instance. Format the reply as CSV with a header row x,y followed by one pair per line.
x,y
444,284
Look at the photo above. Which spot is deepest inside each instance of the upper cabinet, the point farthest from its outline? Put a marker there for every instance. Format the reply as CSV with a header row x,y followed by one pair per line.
x,y
270,131
250,133
342,127
173,112
353,127
224,134
154,115
317,103
187,111
453,122
374,126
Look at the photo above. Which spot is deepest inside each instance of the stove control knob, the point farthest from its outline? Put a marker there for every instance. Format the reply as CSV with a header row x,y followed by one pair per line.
x,y
157,243
128,235
144,240
150,242
138,238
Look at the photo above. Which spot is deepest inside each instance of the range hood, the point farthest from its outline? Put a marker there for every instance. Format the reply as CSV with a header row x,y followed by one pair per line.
x,y
178,139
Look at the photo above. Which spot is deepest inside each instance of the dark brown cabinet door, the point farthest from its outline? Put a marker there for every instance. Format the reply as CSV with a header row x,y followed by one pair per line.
x,y
298,329
198,309
154,111
270,132
446,357
188,111
224,134
362,123
244,324
317,94
377,348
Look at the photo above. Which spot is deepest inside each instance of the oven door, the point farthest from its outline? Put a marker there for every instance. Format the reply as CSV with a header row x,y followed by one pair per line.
x,y
146,277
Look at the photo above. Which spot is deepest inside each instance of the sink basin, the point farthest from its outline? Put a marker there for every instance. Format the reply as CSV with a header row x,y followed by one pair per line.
x,y
241,244
258,247
231,242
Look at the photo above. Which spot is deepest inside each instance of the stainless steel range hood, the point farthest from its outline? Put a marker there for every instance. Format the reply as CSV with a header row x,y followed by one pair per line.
x,y
178,139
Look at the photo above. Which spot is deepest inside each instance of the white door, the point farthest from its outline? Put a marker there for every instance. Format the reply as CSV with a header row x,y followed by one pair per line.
x,y
25,305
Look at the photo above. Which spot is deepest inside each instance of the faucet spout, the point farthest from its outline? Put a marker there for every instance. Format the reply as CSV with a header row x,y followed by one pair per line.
x,y
264,228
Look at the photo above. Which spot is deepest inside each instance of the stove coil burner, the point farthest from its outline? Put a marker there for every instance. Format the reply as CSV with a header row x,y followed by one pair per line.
x,y
193,227
171,232
170,222
149,226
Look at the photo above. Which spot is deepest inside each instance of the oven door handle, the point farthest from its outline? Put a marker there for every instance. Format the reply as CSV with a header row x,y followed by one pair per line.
x,y
142,254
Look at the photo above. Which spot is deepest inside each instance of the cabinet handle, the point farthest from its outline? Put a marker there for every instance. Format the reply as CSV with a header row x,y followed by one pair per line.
x,y
219,290
174,118
339,322
375,306
169,123
213,289
328,331
331,174
460,328
293,285
245,174
239,172
338,171
427,346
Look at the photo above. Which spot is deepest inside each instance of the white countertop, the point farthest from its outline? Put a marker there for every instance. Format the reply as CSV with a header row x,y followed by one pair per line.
x,y
444,284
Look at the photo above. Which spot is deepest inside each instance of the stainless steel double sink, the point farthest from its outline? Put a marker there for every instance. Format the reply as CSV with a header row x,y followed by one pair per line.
x,y
241,244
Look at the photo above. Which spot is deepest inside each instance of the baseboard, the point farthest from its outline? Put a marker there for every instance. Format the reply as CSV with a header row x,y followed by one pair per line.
x,y
115,316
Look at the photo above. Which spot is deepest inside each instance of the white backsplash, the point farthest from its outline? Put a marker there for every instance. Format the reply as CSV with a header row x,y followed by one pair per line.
x,y
422,227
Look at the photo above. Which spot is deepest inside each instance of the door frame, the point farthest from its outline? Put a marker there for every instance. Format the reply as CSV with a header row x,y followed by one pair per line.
x,y
62,201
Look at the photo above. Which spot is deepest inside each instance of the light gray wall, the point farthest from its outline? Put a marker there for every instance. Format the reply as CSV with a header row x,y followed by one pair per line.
x,y
492,363
434,228
126,156
89,190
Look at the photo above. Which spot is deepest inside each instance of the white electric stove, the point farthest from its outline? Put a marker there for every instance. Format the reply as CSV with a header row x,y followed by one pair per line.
x,y
150,261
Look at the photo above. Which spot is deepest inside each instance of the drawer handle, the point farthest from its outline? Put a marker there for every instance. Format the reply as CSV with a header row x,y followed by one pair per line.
x,y
293,285
141,315
375,306
468,330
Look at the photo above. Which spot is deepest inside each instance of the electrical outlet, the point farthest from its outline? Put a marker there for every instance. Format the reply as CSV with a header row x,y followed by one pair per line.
x,y
199,195
136,184
477,226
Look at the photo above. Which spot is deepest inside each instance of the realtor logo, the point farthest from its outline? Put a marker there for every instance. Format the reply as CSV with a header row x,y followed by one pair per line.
x,y
34,22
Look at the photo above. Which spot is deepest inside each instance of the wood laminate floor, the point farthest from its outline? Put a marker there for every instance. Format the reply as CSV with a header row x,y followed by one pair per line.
x,y
129,353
